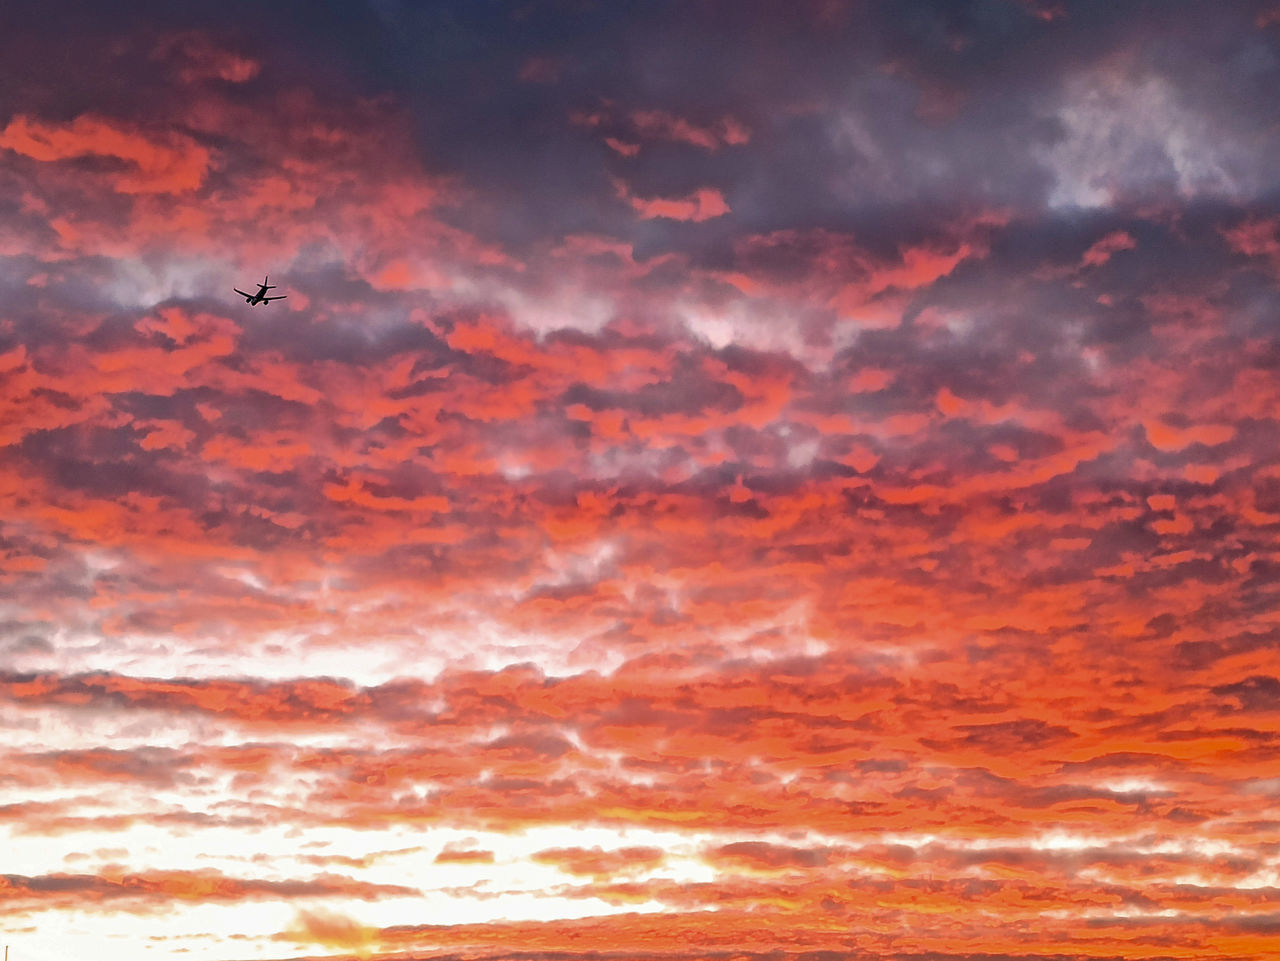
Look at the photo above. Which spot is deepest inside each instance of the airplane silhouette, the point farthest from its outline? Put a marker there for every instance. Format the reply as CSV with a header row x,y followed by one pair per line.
x,y
261,296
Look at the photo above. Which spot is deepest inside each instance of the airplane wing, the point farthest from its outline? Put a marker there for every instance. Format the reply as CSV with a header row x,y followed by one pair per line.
x,y
278,297
241,292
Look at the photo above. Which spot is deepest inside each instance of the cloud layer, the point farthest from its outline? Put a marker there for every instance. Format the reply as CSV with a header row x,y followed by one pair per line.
x,y
722,484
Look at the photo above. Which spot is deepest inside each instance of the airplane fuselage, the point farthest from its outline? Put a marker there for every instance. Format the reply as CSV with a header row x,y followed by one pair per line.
x,y
261,296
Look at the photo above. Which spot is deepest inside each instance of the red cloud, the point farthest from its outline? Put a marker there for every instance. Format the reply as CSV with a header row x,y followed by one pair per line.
x,y
1165,437
1100,252
307,700
199,59
704,203
161,164
1255,238
661,125
658,125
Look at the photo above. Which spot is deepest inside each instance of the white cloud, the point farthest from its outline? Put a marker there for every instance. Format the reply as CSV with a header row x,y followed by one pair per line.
x,y
1125,135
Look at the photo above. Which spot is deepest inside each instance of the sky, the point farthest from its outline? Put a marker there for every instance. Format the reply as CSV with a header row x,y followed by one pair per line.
x,y
729,480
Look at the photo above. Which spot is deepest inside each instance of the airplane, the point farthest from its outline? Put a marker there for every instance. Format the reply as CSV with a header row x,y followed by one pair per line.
x,y
261,296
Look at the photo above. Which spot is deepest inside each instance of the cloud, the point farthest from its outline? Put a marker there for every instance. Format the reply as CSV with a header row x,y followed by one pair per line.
x,y
168,163
761,856
712,464
705,203
331,930
660,125
202,60
599,863
464,855
71,890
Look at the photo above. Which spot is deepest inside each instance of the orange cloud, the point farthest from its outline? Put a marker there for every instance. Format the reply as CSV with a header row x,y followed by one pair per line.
x,y
463,855
599,863
67,890
1165,437
915,577
331,930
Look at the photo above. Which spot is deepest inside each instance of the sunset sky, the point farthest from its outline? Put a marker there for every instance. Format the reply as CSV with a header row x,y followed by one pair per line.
x,y
731,480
